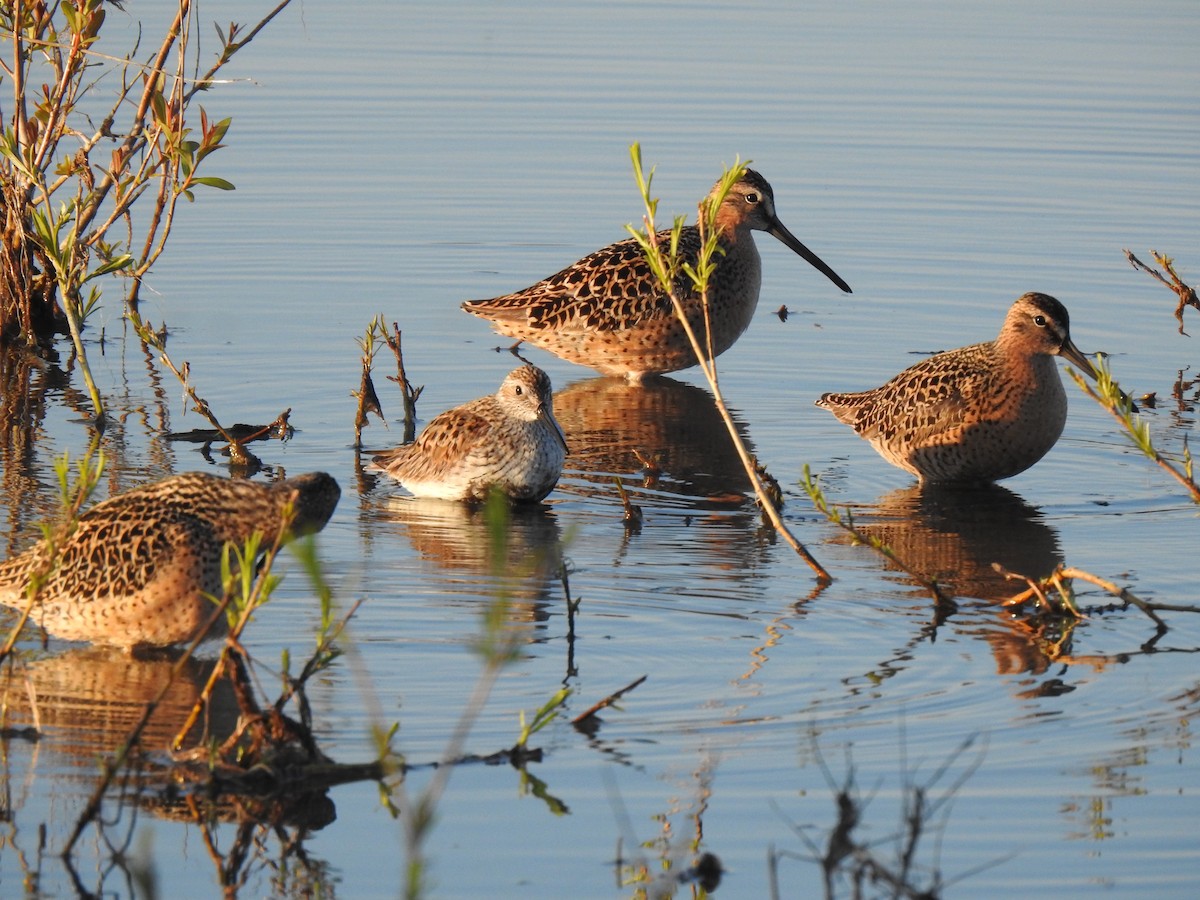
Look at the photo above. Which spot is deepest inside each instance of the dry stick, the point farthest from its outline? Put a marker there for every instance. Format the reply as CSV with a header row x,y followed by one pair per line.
x,y
708,367
1121,593
409,393
1037,589
237,452
1185,293
608,701
1034,590
633,514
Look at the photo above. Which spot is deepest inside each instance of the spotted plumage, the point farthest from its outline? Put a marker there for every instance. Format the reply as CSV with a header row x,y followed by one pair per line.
x,y
976,414
509,440
140,568
609,312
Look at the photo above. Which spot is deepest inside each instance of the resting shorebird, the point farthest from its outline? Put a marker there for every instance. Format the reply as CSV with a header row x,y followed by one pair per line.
x,y
508,440
975,414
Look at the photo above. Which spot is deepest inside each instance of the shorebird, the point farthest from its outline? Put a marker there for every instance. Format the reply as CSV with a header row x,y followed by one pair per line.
x,y
143,568
976,414
608,311
509,441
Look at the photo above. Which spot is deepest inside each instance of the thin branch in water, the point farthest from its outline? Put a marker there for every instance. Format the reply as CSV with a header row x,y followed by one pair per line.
x,y
943,598
409,393
1185,292
238,454
1108,394
665,264
1060,581
607,701
632,516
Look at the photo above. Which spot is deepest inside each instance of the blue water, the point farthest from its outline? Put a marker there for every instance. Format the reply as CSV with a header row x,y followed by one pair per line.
x,y
944,159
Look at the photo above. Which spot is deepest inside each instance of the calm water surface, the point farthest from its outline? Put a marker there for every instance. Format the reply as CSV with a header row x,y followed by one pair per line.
x,y
944,159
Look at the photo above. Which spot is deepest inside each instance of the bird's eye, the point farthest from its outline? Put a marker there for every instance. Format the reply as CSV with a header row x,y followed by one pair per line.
x,y
752,197
1039,321
520,390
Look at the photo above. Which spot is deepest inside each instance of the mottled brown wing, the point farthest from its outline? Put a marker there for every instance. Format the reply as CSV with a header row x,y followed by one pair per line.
x,y
114,553
609,290
446,439
923,400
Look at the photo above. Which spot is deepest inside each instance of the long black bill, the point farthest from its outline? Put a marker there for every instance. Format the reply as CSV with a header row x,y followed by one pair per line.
x,y
779,231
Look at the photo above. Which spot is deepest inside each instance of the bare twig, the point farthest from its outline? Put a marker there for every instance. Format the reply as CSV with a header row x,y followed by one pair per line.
x,y
238,453
410,394
1185,293
1060,581
607,701
633,513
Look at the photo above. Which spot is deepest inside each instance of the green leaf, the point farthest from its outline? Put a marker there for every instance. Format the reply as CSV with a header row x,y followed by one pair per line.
x,y
219,183
217,134
160,107
113,265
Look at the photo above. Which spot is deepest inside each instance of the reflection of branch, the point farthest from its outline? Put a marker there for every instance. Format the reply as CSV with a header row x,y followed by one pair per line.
x,y
846,857
1185,293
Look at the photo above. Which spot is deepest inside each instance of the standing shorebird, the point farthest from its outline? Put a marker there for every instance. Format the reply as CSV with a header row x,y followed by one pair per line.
x,y
609,311
142,569
976,414
509,440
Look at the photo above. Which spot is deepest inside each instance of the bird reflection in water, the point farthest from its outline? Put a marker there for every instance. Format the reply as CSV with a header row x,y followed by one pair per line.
x,y
83,705
669,430
457,539
954,535
88,700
